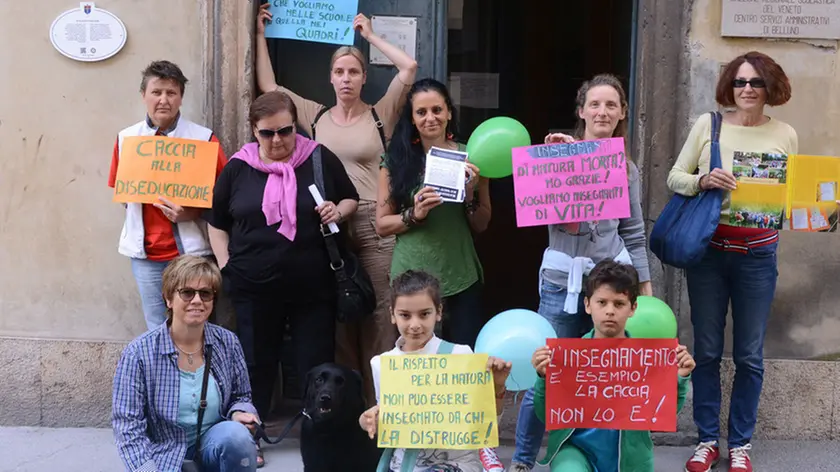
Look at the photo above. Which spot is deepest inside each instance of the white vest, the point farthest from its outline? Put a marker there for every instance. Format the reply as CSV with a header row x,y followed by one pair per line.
x,y
193,234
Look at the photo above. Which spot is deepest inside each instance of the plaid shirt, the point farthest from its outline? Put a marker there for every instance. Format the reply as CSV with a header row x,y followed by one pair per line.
x,y
146,389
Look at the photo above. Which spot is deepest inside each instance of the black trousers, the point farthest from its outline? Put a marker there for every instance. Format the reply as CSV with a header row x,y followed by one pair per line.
x,y
463,317
261,318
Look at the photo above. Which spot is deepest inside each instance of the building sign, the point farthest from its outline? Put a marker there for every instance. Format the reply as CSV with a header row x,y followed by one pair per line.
x,y
399,31
87,33
804,19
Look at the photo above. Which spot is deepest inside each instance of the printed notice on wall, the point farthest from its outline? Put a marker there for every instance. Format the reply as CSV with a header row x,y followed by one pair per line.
x,y
322,21
612,384
437,402
180,170
88,34
804,19
397,30
570,183
475,89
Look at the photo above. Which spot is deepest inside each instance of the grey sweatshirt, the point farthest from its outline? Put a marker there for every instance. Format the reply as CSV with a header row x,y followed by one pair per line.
x,y
604,240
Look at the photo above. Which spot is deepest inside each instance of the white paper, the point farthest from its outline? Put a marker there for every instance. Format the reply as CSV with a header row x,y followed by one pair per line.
x,y
446,173
478,89
828,191
799,218
397,30
318,201
817,219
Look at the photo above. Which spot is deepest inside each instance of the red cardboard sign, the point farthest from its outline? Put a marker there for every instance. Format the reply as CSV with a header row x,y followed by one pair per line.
x,y
625,384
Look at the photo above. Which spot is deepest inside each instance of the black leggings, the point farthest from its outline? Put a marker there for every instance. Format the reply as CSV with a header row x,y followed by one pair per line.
x,y
261,323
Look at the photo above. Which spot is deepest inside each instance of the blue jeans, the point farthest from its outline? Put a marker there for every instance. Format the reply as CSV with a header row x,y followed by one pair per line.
x,y
529,428
149,277
226,447
748,281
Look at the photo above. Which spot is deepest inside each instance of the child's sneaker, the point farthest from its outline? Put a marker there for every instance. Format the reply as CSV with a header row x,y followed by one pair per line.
x,y
706,456
739,459
490,461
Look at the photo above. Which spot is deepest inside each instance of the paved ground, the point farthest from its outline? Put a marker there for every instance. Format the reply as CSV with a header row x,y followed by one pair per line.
x,y
92,450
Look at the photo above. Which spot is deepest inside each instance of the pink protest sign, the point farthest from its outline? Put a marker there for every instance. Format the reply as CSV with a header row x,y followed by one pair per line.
x,y
569,183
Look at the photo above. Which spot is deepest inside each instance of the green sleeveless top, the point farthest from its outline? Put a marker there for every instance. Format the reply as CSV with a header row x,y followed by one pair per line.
x,y
442,246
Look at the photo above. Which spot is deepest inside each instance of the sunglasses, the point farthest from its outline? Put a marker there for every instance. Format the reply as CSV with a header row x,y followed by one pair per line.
x,y
283,132
188,294
754,83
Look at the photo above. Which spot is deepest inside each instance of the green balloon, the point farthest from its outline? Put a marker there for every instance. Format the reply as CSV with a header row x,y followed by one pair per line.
x,y
653,319
490,145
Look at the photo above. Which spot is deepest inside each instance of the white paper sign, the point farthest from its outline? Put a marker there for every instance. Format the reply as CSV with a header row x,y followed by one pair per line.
x,y
397,30
88,34
446,173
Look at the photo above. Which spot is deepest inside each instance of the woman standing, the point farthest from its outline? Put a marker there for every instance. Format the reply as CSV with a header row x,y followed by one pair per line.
x,y
154,235
266,234
602,113
431,235
740,266
357,132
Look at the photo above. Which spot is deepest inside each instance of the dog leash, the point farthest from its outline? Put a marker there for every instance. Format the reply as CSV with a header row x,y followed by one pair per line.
x,y
259,429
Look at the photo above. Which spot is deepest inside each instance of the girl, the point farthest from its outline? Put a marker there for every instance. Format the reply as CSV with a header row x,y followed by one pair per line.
x,y
433,236
415,309
573,249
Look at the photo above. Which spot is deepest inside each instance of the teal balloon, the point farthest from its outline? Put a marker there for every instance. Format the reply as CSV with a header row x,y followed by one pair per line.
x,y
513,336
653,319
490,145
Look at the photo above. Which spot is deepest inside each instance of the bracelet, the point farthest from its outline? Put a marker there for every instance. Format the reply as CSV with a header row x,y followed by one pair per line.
x,y
413,219
501,395
406,218
340,216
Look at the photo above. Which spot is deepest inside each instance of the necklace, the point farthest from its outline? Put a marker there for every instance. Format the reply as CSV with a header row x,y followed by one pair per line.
x,y
189,354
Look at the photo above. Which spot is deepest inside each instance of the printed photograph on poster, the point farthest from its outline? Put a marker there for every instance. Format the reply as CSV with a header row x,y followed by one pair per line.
x,y
477,89
446,173
758,205
398,30
757,165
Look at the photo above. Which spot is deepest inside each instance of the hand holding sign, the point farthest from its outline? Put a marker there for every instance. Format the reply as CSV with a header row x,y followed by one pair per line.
x,y
500,370
369,419
264,17
363,25
540,360
685,362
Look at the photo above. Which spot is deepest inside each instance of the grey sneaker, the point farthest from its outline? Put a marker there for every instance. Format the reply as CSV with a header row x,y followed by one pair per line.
x,y
517,467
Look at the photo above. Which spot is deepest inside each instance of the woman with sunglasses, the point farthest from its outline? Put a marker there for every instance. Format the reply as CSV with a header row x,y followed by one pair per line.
x,y
159,379
740,266
265,229
357,132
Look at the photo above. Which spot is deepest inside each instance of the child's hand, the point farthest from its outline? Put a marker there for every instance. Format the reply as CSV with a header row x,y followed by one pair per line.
x,y
500,370
369,420
540,360
684,361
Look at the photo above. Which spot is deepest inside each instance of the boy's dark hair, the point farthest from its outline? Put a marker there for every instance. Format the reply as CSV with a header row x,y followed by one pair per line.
x,y
163,70
622,278
412,282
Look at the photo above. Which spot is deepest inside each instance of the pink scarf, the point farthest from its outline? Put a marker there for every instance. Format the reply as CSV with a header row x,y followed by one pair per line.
x,y
280,197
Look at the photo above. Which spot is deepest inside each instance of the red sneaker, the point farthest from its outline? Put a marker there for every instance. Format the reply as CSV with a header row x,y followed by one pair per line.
x,y
705,458
739,459
490,461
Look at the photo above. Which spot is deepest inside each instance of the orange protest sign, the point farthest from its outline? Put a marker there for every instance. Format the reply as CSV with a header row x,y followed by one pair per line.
x,y
180,170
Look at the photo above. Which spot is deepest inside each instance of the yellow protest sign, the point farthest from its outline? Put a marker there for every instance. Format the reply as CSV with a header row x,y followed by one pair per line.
x,y
180,170
437,402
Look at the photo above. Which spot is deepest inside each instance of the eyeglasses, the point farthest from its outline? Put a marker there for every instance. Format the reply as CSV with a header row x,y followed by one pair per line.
x,y
188,294
754,83
283,132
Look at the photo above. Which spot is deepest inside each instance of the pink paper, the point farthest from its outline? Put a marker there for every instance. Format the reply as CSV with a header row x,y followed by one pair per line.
x,y
570,183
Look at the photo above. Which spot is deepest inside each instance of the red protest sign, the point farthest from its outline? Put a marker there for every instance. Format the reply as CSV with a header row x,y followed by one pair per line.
x,y
626,384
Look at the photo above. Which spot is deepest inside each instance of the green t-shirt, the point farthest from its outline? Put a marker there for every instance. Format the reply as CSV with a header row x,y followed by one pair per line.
x,y
442,246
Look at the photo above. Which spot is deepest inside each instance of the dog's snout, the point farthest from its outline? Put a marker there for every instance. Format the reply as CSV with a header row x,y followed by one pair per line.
x,y
325,398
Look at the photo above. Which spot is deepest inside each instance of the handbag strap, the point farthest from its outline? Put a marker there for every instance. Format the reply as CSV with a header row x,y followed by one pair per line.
x,y
715,161
202,404
336,262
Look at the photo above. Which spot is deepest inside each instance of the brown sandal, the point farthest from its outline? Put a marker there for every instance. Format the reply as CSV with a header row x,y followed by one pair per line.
x,y
260,458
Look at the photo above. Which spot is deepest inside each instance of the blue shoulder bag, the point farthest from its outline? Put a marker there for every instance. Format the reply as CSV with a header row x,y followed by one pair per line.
x,y
683,230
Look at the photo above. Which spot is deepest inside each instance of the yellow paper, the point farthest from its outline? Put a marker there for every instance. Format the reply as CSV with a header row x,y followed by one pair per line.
x,y
437,402
813,191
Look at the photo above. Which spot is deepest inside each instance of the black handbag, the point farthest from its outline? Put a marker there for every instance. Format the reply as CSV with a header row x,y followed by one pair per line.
x,y
193,465
355,298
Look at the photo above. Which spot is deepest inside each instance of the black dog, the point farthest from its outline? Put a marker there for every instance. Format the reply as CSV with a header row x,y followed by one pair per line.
x,y
330,438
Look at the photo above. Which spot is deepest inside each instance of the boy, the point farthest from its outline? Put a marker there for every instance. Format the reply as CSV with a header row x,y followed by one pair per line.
x,y
612,289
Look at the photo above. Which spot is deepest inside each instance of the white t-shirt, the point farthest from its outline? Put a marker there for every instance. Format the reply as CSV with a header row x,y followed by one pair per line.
x,y
430,459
